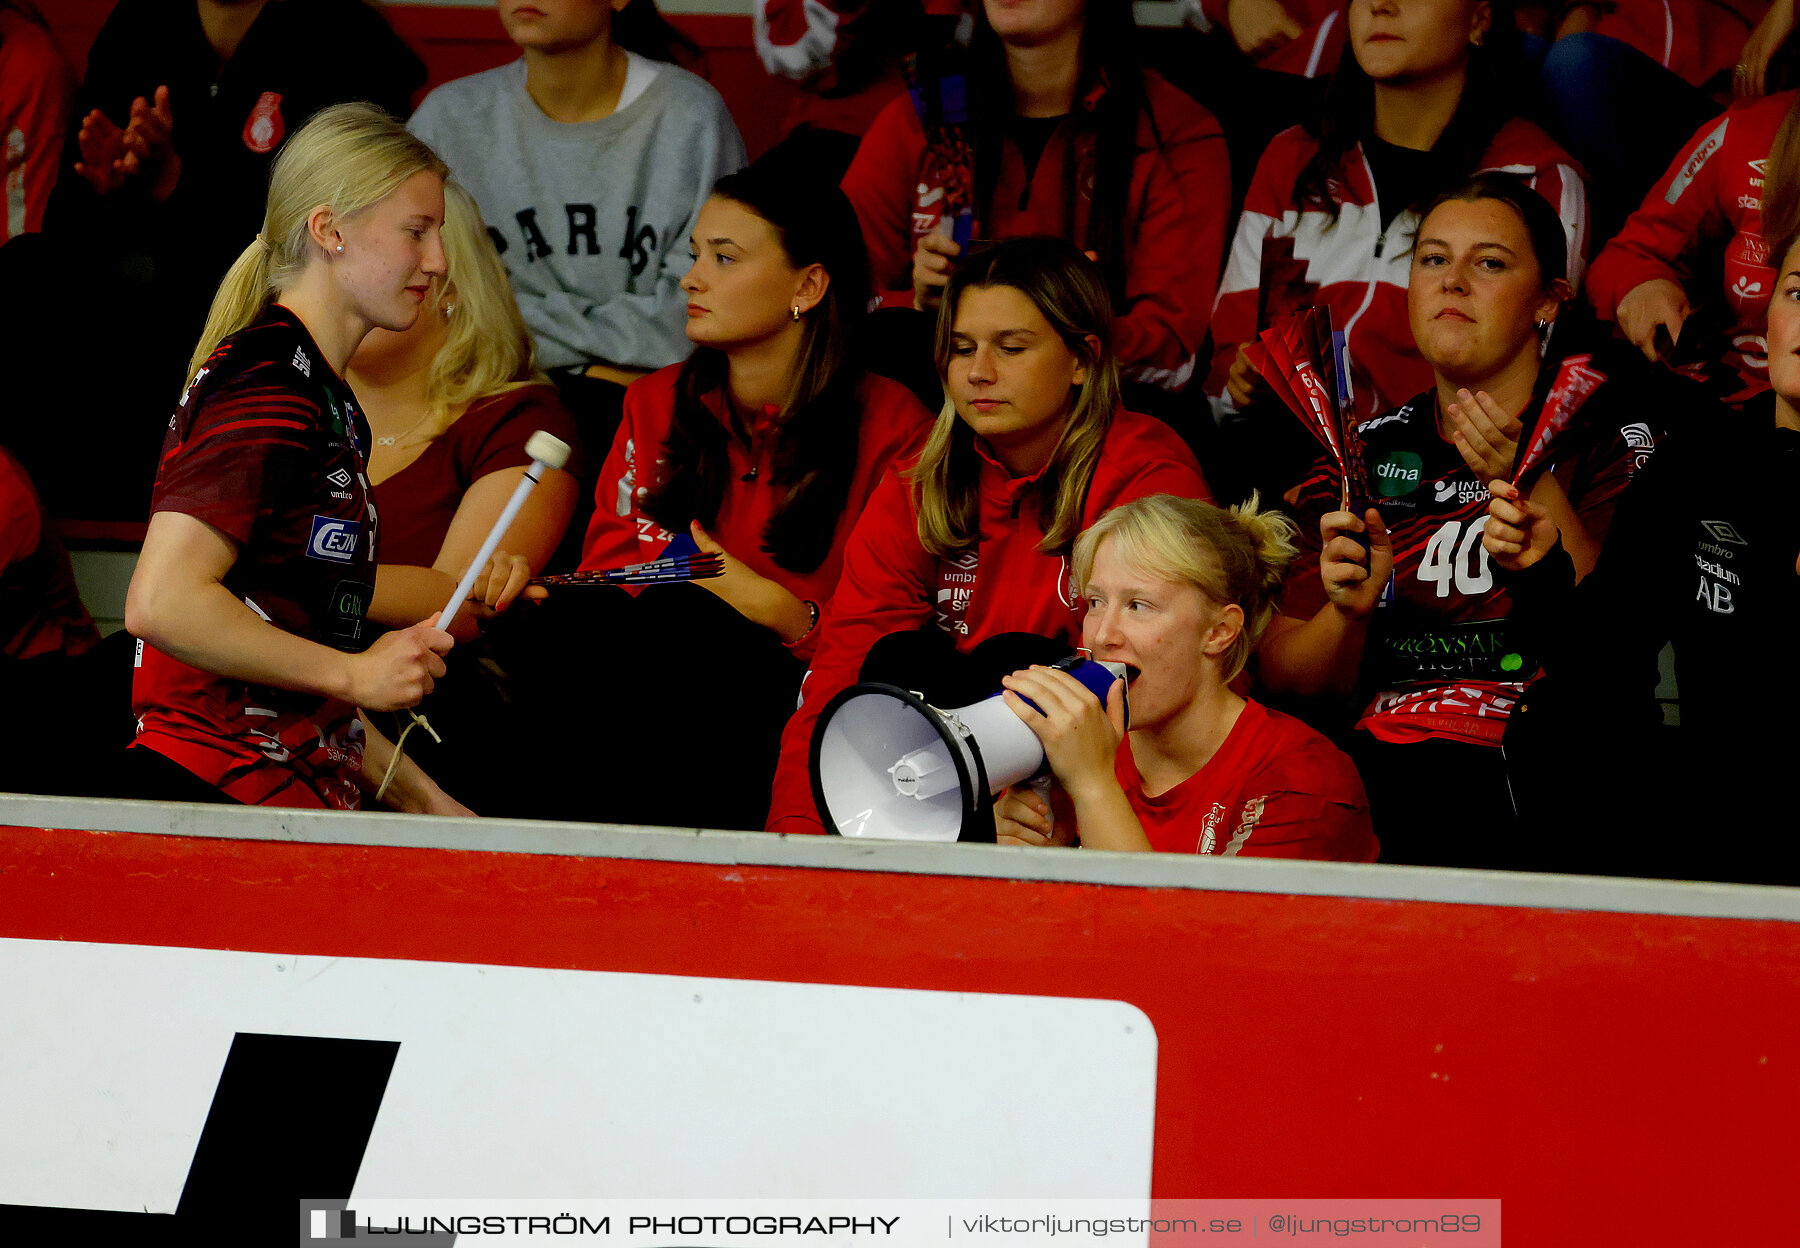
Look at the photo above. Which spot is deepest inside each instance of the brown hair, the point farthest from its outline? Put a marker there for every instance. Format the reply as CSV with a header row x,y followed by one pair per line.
x,y
1066,287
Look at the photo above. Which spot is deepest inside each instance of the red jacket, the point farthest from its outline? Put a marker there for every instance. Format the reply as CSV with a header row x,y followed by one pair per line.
x,y
892,584
1711,195
619,534
35,93
1176,214
1313,53
1355,268
1694,39
824,45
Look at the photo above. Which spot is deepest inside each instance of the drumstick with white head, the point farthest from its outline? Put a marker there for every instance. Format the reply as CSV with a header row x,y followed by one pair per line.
x,y
546,451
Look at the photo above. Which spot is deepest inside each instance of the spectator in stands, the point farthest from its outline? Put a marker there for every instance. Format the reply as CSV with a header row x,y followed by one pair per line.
x,y
1624,82
1704,554
1302,37
762,449
182,110
1733,187
251,593
590,156
846,56
1066,134
1418,106
451,402
1397,608
56,677
35,90
972,539
1179,591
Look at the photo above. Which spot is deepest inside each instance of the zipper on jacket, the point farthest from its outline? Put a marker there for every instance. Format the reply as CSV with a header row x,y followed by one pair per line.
x,y
1380,243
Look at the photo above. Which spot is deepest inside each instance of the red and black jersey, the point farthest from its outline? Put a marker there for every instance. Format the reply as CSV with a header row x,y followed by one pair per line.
x,y
267,447
1442,658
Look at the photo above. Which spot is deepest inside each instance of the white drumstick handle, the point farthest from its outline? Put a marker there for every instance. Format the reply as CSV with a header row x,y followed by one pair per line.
x,y
546,451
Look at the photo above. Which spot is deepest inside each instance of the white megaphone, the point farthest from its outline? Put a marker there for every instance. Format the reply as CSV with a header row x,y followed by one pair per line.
x,y
888,765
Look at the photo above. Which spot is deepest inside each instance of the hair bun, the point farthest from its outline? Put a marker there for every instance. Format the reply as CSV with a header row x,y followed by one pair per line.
x,y
1272,533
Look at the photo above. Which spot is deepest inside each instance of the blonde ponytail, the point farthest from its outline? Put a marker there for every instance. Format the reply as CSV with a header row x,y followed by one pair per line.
x,y
1236,557
240,299
347,157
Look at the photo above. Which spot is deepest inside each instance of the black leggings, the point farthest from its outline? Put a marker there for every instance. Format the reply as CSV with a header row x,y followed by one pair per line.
x,y
666,709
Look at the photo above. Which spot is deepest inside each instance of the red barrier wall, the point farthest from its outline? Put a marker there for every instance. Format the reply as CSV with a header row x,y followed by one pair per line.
x,y
1613,1078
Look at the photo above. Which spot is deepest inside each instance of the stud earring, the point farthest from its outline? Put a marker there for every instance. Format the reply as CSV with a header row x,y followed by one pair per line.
x,y
340,249
447,309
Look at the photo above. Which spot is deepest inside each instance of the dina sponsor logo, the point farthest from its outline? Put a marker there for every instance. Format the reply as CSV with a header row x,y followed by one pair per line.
x,y
333,539
1397,474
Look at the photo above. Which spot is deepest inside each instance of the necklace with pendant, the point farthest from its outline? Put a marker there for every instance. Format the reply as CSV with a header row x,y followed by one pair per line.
x,y
404,432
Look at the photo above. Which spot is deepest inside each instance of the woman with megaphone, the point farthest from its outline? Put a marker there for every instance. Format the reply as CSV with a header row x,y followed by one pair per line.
x,y
1178,591
971,538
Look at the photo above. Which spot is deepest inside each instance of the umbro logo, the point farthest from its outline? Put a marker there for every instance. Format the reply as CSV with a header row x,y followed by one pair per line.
x,y
340,478
1723,532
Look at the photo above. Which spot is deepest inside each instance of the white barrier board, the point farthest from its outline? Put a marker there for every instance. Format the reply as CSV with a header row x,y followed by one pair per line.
x,y
524,1082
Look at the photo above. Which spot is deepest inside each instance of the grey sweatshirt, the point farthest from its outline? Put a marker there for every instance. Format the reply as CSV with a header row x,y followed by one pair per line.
x,y
591,218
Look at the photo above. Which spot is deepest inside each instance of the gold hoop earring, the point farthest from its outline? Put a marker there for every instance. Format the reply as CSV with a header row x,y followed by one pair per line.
x,y
796,311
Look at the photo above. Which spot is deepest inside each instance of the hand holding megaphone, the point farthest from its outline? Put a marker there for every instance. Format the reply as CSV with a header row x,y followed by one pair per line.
x,y
886,764
1080,734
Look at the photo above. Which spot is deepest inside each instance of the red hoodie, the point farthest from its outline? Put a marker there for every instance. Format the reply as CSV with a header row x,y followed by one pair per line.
x,y
619,534
892,584
1711,195
1175,217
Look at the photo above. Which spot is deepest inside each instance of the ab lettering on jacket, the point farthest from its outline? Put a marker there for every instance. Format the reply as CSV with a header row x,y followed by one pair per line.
x,y
581,236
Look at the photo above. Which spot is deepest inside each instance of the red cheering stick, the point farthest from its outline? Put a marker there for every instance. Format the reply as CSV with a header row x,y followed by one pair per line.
x,y
1274,369
1575,383
1308,373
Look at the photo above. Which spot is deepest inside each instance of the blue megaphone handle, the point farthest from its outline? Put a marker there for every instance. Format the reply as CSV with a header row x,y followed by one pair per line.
x,y
1096,676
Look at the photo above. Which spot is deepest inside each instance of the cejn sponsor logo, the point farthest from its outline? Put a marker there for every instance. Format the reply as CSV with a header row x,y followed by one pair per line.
x,y
333,539
301,362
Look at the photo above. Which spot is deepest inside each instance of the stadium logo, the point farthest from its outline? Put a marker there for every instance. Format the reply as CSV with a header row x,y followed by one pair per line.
x,y
333,539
